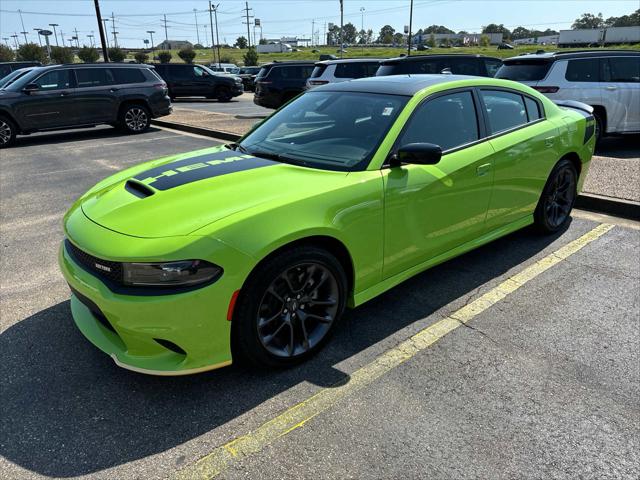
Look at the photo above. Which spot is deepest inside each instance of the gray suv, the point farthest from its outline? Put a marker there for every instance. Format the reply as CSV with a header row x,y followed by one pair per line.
x,y
57,97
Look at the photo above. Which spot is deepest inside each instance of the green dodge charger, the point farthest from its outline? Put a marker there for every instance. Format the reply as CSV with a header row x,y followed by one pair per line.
x,y
252,251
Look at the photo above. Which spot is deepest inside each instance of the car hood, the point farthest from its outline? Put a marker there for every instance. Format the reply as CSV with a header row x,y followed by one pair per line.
x,y
180,195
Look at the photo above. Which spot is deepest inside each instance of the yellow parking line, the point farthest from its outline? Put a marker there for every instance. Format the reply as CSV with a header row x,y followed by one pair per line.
x,y
295,417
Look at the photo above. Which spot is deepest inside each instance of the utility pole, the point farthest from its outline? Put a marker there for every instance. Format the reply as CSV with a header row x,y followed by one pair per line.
x,y
113,31
324,40
23,29
62,37
39,39
106,31
166,35
195,14
409,37
55,34
91,43
215,14
313,26
205,34
247,9
77,38
213,43
104,43
342,27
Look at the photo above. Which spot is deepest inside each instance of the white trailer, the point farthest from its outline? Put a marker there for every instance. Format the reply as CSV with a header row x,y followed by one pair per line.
x,y
580,37
274,48
622,35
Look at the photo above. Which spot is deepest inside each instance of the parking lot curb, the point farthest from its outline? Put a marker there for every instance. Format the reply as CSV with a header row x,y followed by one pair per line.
x,y
611,206
207,132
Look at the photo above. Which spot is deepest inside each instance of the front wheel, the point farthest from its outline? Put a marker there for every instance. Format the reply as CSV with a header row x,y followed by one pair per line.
x,y
223,94
7,132
557,199
134,119
289,307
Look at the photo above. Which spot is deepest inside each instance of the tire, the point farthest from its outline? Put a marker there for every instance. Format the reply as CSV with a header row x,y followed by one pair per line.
x,y
8,131
279,323
599,127
223,94
134,119
553,211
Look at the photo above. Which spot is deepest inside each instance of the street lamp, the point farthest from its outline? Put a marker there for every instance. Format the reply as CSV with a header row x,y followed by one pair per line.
x,y
362,27
39,39
55,34
90,37
151,32
15,39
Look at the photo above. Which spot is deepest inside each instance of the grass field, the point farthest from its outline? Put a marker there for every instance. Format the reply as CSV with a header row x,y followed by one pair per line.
x,y
235,55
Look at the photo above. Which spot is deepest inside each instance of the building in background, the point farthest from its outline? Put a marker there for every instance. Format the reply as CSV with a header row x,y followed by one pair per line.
x,y
174,45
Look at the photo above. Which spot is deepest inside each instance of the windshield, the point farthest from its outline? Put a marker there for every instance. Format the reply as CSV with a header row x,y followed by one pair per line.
x,y
523,71
13,76
327,130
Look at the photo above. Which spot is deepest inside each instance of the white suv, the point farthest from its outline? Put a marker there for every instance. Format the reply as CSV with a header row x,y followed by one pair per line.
x,y
332,71
608,80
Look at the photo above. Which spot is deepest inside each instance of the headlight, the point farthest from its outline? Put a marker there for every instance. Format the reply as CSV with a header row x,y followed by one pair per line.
x,y
181,274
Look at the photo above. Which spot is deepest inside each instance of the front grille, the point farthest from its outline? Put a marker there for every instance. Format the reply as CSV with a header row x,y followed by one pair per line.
x,y
105,269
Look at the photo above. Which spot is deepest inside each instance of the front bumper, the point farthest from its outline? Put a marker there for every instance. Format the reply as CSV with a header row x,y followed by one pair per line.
x,y
168,334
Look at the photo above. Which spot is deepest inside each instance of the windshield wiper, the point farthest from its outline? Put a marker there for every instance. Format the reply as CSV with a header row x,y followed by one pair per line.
x,y
278,157
237,146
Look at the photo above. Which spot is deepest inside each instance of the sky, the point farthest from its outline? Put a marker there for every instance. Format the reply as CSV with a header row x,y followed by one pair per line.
x,y
285,17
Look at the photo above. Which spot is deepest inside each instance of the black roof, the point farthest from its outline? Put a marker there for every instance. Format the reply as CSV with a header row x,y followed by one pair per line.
x,y
421,58
553,56
393,84
94,65
289,62
349,60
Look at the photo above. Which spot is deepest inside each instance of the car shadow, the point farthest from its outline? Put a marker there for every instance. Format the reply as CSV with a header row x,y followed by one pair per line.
x,y
624,146
52,138
200,100
67,410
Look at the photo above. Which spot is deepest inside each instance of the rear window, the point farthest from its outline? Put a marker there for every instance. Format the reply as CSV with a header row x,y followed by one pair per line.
x,y
356,69
523,71
458,66
318,71
583,70
128,75
294,71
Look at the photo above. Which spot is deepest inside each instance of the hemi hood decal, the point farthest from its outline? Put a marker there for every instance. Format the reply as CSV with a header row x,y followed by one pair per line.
x,y
192,169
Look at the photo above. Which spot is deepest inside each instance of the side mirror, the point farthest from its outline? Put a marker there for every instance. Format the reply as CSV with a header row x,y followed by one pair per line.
x,y
418,153
31,87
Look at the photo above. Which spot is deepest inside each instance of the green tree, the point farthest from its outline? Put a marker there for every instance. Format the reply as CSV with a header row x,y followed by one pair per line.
x,y
438,29
241,42
164,56
521,32
398,38
494,28
631,20
116,55
62,55
31,52
484,41
88,54
187,54
432,41
588,20
386,34
6,53
333,35
350,33
141,57
263,41
251,57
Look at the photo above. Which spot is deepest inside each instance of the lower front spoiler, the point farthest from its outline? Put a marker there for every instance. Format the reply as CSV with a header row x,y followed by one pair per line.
x,y
168,373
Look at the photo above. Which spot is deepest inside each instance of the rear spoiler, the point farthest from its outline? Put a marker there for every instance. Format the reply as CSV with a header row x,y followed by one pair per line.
x,y
575,105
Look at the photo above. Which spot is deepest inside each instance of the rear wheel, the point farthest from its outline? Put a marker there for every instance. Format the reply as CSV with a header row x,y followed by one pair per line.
x,y
223,94
134,119
289,307
7,132
599,126
557,199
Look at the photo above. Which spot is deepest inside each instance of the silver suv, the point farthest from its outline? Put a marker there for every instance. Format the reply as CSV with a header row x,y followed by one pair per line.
x,y
608,80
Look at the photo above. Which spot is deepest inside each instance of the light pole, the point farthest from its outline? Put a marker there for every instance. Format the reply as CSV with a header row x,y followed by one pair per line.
x,y
39,39
106,30
23,29
409,37
151,32
341,28
195,14
362,27
45,34
90,37
55,34
15,40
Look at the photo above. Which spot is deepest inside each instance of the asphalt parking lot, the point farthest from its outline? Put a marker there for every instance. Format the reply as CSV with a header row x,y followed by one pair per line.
x,y
537,376
242,105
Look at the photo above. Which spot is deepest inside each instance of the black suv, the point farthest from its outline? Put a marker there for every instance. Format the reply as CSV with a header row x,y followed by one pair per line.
x,y
279,82
190,80
458,64
248,76
7,67
56,97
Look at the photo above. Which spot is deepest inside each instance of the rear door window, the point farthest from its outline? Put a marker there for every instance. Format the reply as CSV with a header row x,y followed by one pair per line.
x,y
93,77
355,70
533,109
505,110
583,70
524,71
624,69
128,75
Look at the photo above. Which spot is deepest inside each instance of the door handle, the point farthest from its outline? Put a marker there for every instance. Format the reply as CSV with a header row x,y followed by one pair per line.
x,y
114,89
611,87
483,169
64,94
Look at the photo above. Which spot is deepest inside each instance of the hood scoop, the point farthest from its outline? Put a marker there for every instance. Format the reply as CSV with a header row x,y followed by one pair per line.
x,y
138,189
